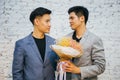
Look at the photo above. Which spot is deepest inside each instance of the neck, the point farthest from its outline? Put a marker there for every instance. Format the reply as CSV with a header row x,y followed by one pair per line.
x,y
80,30
37,33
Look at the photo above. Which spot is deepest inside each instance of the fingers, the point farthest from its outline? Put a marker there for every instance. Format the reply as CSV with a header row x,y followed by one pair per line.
x,y
68,62
68,67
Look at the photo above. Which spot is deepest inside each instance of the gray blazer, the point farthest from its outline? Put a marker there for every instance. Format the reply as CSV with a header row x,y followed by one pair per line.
x,y
92,62
28,64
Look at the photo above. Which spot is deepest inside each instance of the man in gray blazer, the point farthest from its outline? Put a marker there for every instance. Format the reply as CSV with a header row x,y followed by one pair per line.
x,y
33,58
92,62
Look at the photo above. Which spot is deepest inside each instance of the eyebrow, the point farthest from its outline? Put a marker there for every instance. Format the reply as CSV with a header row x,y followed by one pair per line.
x,y
71,17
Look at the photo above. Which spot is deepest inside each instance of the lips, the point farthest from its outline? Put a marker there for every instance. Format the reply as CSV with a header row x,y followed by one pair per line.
x,y
49,29
71,24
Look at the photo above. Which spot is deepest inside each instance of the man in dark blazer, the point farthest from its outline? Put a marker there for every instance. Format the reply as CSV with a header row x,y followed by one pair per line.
x,y
92,62
33,58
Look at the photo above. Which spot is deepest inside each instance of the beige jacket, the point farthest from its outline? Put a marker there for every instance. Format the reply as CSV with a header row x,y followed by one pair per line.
x,y
92,62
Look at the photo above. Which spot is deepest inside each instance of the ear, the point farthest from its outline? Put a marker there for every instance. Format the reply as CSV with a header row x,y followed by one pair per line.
x,y
36,21
82,18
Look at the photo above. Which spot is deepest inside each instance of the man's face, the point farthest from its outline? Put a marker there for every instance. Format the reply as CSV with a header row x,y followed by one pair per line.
x,y
43,23
74,21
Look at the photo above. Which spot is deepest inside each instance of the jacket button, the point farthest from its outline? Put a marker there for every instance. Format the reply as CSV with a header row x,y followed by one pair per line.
x,y
43,66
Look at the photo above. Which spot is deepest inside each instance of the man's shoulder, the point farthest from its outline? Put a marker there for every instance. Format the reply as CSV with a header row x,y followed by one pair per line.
x,y
93,35
88,34
24,39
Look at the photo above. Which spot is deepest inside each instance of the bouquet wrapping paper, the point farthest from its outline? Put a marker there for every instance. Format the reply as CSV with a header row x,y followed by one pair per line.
x,y
66,48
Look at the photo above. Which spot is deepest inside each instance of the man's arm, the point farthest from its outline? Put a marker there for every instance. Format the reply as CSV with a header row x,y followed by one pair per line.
x,y
18,62
98,61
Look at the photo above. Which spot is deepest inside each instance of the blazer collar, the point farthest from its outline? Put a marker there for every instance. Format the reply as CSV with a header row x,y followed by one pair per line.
x,y
35,48
83,37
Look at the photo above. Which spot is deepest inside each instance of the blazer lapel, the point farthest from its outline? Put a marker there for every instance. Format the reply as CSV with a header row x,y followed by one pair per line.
x,y
47,48
83,40
34,47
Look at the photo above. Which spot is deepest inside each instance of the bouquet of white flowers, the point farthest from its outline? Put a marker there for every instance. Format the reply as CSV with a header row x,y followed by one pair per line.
x,y
66,48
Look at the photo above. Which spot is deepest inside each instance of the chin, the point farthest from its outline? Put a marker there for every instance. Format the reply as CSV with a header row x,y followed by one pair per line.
x,y
72,28
47,32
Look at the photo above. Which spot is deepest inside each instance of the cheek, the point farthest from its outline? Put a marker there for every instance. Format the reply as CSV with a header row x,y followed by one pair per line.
x,y
74,21
45,24
77,23
42,26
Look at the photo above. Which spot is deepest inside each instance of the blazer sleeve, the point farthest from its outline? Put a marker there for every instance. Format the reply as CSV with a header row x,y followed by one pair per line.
x,y
98,61
18,62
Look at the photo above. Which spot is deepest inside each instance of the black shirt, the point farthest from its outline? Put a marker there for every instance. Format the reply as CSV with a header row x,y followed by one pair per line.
x,y
75,38
41,44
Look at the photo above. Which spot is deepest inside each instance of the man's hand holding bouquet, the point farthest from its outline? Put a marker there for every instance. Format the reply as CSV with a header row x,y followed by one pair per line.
x,y
66,48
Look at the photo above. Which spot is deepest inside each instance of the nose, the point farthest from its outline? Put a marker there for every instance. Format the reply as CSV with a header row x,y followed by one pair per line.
x,y
49,24
70,20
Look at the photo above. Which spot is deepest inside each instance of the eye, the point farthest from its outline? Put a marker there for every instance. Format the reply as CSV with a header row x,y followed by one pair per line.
x,y
71,18
47,20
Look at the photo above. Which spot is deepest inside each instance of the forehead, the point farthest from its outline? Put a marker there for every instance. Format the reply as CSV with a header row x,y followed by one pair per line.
x,y
72,14
45,16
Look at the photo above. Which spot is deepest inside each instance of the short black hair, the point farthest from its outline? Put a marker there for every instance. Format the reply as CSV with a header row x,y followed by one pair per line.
x,y
40,11
79,11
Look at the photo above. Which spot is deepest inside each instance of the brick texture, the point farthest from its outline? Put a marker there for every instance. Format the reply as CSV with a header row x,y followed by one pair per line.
x,y
103,21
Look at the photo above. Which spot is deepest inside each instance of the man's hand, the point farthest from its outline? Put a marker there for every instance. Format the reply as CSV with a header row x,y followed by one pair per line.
x,y
70,67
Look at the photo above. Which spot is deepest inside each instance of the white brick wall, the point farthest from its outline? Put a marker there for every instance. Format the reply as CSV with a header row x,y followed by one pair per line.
x,y
103,21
